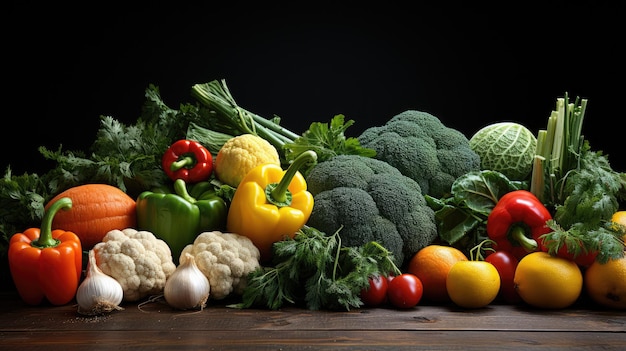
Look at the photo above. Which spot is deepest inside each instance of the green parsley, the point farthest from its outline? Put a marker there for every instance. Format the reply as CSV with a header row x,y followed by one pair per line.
x,y
315,270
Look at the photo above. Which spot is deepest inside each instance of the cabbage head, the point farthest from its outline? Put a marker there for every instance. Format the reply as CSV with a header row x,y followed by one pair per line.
x,y
506,147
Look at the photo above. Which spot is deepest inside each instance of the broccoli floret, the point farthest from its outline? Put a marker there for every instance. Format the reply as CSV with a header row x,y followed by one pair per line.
x,y
370,200
423,149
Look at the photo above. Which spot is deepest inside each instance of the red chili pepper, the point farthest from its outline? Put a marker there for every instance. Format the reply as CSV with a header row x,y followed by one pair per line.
x,y
517,221
187,160
46,263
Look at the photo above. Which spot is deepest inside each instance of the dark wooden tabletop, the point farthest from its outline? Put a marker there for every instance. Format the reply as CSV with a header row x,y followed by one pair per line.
x,y
154,325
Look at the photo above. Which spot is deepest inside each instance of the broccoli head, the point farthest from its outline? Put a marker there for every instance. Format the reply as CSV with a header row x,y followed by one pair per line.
x,y
423,149
369,200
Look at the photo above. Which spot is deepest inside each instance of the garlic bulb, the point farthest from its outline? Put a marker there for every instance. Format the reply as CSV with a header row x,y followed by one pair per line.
x,y
98,293
187,288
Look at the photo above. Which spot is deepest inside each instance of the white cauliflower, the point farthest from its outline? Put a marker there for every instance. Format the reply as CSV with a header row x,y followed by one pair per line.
x,y
226,259
138,260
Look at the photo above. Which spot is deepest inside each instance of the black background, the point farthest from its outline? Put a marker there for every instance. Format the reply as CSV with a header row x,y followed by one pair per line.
x,y
466,63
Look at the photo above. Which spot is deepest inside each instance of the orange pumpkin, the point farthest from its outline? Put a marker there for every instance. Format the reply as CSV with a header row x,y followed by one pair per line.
x,y
96,210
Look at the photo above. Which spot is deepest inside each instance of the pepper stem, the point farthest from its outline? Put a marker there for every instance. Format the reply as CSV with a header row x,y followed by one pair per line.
x,y
518,235
45,235
279,194
180,188
182,162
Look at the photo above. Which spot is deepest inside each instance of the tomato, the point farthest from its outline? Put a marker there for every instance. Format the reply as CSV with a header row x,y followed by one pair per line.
x,y
506,264
376,294
405,290
584,259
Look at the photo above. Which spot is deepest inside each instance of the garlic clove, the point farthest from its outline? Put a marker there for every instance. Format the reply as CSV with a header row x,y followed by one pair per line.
x,y
98,293
187,288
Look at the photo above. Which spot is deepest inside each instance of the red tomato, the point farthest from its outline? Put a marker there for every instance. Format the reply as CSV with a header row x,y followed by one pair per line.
x,y
584,259
405,290
377,292
506,264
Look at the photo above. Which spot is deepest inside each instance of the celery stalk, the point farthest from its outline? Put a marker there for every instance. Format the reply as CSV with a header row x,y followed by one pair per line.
x,y
558,148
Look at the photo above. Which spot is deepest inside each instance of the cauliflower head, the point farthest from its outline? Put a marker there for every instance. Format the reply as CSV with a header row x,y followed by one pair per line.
x,y
240,154
138,260
226,259
423,149
370,200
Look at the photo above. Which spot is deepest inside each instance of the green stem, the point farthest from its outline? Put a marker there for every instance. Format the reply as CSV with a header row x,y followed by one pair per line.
x,y
337,255
383,249
181,190
185,161
518,235
216,96
283,132
279,194
45,235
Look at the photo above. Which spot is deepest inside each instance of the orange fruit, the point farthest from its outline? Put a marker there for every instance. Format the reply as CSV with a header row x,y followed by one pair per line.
x,y
431,265
547,281
473,284
606,283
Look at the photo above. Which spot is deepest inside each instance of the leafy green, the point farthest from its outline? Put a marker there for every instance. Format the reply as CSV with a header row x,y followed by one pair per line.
x,y
582,222
315,270
328,140
126,156
461,216
582,238
230,118
579,185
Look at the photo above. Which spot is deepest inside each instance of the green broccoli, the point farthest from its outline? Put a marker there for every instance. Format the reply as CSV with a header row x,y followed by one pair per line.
x,y
370,200
423,149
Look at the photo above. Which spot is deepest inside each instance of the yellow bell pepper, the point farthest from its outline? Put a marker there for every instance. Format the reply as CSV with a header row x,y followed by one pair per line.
x,y
271,204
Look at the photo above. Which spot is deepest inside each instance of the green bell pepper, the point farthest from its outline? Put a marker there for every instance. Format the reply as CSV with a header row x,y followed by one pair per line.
x,y
178,218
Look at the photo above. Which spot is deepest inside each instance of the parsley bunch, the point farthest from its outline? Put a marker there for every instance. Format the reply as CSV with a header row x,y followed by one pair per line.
x,y
314,269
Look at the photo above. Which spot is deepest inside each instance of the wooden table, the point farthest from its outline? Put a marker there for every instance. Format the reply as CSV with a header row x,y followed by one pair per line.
x,y
154,325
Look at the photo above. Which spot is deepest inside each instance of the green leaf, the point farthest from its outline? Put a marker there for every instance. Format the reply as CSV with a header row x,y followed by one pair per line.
x,y
327,140
481,190
454,223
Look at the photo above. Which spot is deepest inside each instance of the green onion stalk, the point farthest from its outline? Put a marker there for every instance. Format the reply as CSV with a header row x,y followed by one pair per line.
x,y
230,119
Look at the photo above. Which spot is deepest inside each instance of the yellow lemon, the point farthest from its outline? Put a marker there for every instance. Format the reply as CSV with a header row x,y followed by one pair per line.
x,y
619,217
606,283
473,284
546,281
431,265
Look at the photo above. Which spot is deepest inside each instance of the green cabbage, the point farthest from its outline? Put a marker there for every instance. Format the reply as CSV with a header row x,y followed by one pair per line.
x,y
506,147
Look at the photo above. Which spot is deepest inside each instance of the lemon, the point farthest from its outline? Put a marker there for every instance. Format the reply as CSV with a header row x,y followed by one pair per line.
x,y
619,217
431,265
473,284
547,281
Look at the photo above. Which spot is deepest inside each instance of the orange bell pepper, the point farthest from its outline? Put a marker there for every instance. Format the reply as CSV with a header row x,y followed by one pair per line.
x,y
271,204
46,263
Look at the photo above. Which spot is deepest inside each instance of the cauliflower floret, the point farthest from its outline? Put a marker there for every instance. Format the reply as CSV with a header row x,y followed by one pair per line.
x,y
138,260
241,154
226,259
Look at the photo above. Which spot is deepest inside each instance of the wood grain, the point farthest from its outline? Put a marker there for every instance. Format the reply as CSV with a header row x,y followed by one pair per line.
x,y
154,325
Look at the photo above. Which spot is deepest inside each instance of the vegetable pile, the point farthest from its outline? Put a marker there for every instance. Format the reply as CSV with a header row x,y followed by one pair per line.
x,y
211,202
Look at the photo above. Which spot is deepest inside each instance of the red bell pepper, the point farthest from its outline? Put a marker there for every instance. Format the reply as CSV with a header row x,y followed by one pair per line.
x,y
187,160
517,221
46,263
